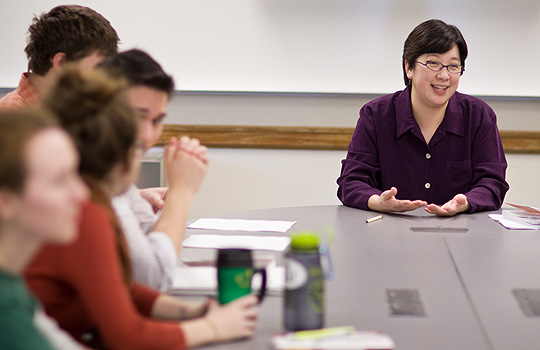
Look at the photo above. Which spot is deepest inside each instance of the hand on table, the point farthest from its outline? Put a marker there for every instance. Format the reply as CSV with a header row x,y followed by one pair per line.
x,y
233,320
454,206
387,202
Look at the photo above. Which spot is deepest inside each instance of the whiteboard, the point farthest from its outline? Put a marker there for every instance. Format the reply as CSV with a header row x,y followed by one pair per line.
x,y
333,46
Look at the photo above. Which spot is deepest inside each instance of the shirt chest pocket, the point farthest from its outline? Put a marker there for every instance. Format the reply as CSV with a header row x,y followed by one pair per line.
x,y
459,172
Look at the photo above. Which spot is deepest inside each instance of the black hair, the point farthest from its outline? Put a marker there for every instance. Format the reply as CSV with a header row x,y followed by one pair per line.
x,y
138,68
432,36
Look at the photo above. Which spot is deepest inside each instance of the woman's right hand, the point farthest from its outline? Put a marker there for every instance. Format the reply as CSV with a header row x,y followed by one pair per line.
x,y
387,202
233,320
186,163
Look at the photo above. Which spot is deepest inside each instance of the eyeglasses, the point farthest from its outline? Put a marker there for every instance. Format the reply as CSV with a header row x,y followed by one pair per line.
x,y
438,66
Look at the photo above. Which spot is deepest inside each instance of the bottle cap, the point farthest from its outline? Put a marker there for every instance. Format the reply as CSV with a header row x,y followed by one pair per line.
x,y
305,240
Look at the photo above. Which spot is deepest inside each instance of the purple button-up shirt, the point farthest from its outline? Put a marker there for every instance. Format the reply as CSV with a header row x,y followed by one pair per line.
x,y
465,155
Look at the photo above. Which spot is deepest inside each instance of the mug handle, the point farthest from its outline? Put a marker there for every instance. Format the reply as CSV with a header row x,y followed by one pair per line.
x,y
262,291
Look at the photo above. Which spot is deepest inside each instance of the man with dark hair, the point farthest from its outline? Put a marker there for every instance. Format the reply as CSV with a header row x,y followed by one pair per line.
x,y
67,33
154,242
146,79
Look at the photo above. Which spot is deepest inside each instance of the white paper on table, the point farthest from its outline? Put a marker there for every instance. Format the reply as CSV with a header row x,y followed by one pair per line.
x,y
510,224
237,241
204,278
242,225
200,278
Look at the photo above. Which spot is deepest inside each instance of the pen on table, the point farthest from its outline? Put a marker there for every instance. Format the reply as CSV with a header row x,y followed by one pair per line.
x,y
375,218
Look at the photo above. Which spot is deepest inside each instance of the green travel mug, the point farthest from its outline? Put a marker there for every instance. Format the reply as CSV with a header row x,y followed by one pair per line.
x,y
234,273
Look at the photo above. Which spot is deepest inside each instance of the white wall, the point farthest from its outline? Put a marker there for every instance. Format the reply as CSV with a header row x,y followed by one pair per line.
x,y
304,45
253,179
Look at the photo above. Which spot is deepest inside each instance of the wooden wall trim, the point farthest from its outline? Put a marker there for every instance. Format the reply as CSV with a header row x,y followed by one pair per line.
x,y
527,142
309,138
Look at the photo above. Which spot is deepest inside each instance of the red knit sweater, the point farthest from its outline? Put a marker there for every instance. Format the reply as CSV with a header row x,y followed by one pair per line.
x,y
82,286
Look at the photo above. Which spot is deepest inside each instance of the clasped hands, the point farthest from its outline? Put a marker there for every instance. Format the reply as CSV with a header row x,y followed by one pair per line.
x,y
387,202
185,157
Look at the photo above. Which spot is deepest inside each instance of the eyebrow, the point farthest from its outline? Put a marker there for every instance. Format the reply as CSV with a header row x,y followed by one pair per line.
x,y
145,110
438,55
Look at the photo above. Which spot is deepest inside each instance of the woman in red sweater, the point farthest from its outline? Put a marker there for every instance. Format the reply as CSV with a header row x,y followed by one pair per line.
x,y
86,286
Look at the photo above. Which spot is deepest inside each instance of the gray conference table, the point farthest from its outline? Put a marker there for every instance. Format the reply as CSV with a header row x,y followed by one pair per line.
x,y
464,279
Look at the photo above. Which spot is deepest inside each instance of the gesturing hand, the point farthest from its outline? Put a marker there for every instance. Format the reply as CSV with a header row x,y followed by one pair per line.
x,y
387,202
454,206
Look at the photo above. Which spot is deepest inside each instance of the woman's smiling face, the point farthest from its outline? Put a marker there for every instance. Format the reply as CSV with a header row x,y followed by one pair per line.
x,y
433,89
50,204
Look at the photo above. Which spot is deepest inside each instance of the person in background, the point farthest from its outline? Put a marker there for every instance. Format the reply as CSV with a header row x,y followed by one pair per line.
x,y
87,286
67,33
154,243
428,145
41,195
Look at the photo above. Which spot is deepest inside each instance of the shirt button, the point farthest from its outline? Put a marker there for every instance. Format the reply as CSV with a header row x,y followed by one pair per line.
x,y
428,155
427,185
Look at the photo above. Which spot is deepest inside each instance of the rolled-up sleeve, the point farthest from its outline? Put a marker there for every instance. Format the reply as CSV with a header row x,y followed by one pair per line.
x,y
153,255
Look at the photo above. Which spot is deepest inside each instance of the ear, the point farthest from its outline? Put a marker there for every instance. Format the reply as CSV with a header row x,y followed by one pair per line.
x,y
409,71
58,61
8,205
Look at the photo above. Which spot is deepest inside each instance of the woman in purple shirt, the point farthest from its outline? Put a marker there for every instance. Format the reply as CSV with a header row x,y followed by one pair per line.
x,y
428,145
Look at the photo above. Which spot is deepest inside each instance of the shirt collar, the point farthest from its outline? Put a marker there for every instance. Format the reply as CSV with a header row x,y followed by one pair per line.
x,y
404,116
27,91
405,121
453,120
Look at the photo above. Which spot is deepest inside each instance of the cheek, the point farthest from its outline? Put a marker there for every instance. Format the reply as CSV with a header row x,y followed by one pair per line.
x,y
157,131
50,216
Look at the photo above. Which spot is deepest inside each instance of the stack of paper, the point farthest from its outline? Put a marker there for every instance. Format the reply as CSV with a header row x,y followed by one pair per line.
x,y
237,241
523,214
242,225
521,218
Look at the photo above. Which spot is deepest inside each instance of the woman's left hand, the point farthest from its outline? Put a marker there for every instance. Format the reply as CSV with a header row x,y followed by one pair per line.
x,y
456,205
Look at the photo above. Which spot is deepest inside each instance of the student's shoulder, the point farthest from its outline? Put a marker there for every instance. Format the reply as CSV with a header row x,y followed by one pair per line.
x,y
12,101
93,209
94,218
